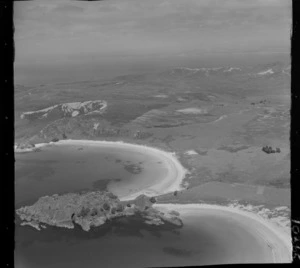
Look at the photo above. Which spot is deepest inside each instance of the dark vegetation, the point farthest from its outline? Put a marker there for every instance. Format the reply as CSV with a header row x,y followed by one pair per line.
x,y
153,200
84,212
133,169
270,150
106,206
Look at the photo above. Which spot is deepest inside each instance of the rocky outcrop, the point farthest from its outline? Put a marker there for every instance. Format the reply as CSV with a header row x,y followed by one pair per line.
x,y
90,209
70,109
133,168
24,147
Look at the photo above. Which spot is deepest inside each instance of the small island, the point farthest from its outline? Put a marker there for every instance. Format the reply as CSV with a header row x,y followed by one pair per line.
x,y
91,209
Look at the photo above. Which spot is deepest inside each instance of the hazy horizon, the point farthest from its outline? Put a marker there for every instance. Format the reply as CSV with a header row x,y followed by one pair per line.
x,y
152,133
60,41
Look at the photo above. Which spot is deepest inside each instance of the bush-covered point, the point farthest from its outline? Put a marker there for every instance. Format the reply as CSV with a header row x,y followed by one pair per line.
x,y
84,212
112,196
106,206
113,211
94,212
152,199
119,208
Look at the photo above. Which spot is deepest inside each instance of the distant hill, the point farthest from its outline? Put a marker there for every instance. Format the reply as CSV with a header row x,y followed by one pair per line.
x,y
135,105
262,69
70,109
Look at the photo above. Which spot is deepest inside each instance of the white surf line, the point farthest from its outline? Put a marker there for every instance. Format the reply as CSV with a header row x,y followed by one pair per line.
x,y
274,258
172,182
281,252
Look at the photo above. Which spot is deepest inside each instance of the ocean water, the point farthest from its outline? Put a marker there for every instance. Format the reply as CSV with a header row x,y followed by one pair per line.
x,y
126,242
68,168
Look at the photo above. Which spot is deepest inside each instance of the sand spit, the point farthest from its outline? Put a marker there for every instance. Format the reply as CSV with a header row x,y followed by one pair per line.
x,y
277,238
170,183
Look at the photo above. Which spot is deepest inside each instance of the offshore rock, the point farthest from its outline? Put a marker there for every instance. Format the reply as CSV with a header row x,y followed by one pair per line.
x,y
90,209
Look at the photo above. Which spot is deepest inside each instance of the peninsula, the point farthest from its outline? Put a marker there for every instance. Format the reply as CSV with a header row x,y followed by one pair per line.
x,y
91,209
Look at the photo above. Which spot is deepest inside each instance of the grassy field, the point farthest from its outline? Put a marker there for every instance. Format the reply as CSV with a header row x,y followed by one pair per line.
x,y
226,119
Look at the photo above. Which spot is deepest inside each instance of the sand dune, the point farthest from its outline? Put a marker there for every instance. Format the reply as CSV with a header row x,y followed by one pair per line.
x,y
277,238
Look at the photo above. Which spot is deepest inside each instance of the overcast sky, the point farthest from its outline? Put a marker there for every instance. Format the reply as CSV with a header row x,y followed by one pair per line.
x,y
61,30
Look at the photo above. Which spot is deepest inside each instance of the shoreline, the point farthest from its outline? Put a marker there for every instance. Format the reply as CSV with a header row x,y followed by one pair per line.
x,y
170,183
276,237
31,149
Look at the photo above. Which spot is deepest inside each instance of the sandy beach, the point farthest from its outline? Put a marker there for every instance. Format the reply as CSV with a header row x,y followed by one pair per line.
x,y
171,182
277,238
272,239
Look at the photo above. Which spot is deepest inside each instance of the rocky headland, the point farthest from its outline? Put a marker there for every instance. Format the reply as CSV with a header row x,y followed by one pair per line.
x,y
91,209
70,109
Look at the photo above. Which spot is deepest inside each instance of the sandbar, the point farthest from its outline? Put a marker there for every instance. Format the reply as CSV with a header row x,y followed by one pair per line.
x,y
276,237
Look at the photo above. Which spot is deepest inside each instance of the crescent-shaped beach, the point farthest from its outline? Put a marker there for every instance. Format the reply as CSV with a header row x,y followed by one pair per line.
x,y
277,238
274,242
168,183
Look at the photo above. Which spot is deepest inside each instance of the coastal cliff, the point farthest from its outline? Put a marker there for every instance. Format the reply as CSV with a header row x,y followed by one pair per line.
x,y
91,209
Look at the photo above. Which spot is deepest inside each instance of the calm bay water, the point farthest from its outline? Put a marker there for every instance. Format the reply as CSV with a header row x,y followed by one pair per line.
x,y
69,168
208,239
125,242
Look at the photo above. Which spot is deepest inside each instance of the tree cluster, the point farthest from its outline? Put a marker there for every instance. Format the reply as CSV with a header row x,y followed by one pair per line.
x,y
270,150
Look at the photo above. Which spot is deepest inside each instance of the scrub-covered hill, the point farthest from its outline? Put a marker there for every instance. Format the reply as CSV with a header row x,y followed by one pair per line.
x,y
224,115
